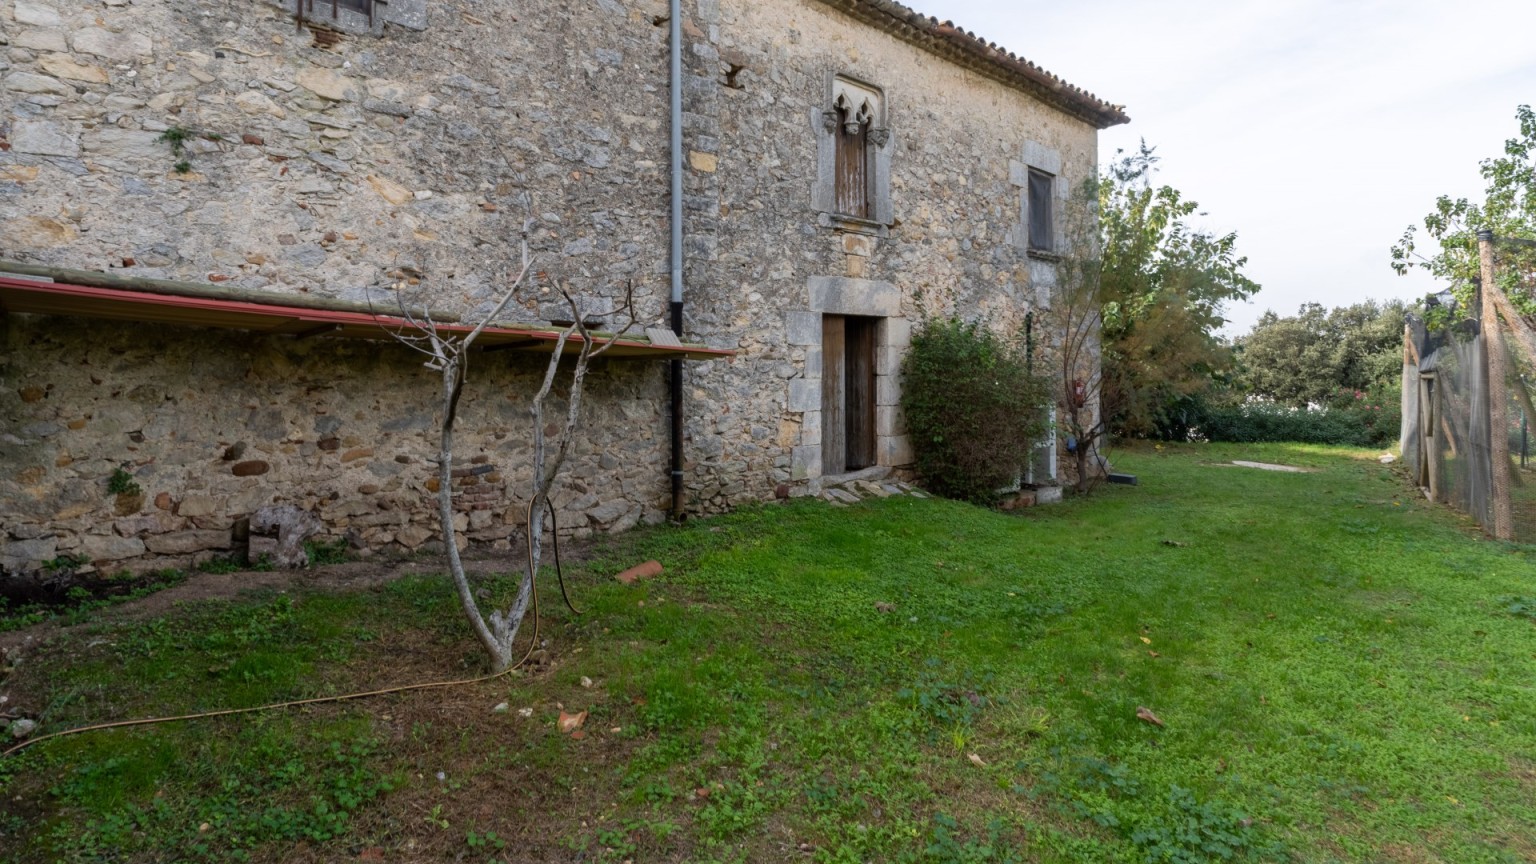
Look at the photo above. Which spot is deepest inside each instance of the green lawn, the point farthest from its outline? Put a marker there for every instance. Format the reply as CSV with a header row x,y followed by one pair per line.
x,y
1344,673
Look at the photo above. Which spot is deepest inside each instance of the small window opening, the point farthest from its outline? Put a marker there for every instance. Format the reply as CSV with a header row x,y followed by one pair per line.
x,y
1042,233
853,124
304,10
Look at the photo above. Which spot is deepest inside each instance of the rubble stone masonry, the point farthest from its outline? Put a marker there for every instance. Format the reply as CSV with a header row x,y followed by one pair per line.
x,y
224,143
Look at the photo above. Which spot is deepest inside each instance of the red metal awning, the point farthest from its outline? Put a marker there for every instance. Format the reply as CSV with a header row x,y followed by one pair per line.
x,y
38,297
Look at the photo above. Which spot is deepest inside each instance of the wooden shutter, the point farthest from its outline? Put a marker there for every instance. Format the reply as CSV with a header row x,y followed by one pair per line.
x,y
305,9
1042,233
852,165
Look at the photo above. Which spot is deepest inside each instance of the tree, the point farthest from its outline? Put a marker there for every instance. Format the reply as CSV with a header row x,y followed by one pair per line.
x,y
1138,299
1508,209
1164,287
1310,357
448,354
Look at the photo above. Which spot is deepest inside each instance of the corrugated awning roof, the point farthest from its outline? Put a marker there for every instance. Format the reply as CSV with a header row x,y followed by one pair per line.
x,y
33,295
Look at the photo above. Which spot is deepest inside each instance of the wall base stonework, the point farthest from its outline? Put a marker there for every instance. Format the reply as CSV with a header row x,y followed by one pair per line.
x,y
212,426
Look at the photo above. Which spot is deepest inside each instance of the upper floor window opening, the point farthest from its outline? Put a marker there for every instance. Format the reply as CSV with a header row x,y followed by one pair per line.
x,y
853,128
1042,194
305,9
853,184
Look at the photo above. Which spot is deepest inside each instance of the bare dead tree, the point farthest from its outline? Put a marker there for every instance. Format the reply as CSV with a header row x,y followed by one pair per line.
x,y
1078,318
546,467
442,157
448,354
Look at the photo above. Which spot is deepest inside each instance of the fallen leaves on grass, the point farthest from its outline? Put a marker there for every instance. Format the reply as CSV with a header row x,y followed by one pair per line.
x,y
1145,714
977,761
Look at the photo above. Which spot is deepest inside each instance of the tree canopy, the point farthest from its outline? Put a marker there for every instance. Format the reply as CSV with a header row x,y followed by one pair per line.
x,y
1508,209
1308,358
1163,287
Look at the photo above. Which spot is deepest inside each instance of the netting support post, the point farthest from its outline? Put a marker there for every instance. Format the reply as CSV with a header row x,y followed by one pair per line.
x,y
1498,394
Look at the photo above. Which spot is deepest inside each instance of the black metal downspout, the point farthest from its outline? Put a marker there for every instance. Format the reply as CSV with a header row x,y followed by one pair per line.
x,y
677,257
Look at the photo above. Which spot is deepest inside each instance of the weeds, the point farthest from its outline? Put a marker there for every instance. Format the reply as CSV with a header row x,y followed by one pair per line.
x,y
324,554
177,137
222,565
946,845
85,598
1520,607
122,483
951,702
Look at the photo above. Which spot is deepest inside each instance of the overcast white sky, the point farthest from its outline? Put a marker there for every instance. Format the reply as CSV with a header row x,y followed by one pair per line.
x,y
1316,130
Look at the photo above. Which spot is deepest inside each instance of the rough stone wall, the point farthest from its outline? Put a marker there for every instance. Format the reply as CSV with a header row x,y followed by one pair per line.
x,y
334,170
961,143
342,167
360,166
348,430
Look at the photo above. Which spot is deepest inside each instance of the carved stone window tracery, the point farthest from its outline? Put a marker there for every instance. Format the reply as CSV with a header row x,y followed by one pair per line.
x,y
856,162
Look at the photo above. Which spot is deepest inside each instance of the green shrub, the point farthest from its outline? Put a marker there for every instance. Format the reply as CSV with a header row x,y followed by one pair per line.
x,y
1265,421
1352,418
974,411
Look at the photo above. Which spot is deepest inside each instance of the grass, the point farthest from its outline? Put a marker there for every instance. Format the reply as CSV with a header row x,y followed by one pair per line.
x,y
1344,673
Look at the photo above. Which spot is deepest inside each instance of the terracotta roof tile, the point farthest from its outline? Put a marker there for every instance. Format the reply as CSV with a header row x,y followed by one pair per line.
x,y
965,48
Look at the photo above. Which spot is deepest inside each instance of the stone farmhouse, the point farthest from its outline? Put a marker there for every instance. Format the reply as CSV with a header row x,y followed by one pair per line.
x,y
204,204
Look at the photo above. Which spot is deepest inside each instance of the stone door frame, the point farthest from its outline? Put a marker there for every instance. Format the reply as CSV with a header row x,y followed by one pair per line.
x,y
864,298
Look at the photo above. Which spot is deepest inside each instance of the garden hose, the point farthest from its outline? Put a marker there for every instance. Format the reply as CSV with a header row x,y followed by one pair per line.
x,y
431,685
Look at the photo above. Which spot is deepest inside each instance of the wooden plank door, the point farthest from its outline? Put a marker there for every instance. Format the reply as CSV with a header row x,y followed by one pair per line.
x,y
859,377
834,396
847,393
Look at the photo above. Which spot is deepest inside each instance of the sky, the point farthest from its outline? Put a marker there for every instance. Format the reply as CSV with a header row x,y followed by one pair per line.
x,y
1318,131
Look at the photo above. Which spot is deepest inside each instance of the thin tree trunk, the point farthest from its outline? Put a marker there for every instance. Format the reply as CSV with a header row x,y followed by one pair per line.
x,y
453,388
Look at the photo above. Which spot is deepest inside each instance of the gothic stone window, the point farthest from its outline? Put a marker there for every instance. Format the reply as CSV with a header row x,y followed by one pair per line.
x,y
853,147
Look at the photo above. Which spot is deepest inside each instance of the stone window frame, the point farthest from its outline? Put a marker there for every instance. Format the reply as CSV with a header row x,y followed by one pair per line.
x,y
410,14
881,146
1039,195
1036,158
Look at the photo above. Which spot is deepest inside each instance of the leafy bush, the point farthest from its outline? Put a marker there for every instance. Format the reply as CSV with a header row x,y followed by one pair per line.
x,y
1353,418
974,411
1266,421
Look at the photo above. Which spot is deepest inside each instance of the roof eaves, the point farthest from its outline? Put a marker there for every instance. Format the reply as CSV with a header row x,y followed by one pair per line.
x,y
968,50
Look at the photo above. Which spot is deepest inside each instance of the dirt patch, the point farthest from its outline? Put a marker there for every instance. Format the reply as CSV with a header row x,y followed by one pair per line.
x,y
1269,466
349,576
461,767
